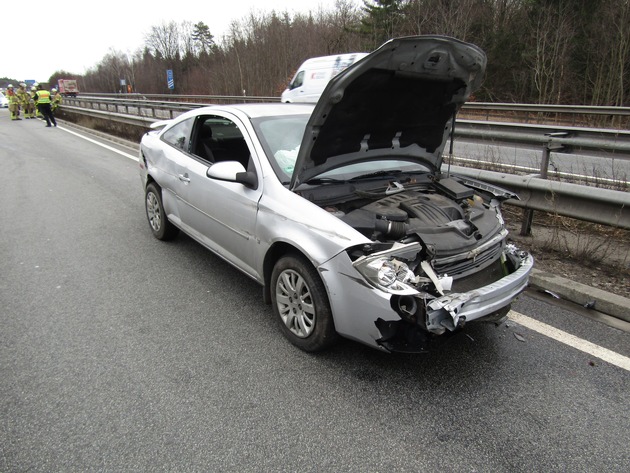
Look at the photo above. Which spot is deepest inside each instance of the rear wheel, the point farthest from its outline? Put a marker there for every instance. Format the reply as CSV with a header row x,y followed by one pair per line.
x,y
161,227
301,305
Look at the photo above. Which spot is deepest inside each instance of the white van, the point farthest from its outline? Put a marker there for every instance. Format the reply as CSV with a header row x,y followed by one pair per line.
x,y
313,76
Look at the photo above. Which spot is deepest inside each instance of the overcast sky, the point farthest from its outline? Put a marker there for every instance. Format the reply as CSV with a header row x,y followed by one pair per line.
x,y
75,36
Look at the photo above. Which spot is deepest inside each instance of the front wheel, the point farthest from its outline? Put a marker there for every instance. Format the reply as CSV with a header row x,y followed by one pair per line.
x,y
161,227
301,305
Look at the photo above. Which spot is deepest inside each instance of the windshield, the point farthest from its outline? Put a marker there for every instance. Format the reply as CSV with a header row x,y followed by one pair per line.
x,y
282,136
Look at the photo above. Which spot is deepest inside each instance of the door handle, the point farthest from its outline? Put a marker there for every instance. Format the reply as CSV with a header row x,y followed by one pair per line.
x,y
184,178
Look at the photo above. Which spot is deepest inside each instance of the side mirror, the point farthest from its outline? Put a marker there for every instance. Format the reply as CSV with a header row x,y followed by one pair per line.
x,y
233,171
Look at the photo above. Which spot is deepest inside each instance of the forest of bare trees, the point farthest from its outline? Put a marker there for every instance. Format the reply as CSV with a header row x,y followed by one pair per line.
x,y
539,51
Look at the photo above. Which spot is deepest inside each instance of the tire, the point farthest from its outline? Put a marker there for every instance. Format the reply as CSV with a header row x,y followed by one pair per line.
x,y
161,227
301,305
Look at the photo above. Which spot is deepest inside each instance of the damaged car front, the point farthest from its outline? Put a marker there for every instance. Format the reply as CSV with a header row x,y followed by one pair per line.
x,y
436,255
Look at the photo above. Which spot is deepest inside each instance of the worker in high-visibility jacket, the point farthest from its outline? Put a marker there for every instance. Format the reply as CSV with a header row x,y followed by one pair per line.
x,y
14,103
56,99
24,98
35,88
43,104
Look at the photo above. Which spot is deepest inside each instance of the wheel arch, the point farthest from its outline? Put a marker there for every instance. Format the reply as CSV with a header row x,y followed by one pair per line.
x,y
165,230
275,252
151,180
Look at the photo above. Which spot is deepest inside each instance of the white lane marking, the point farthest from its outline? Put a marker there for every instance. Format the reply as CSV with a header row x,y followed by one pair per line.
x,y
122,153
602,353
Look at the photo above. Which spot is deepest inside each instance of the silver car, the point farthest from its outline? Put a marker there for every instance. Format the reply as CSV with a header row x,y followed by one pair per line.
x,y
340,209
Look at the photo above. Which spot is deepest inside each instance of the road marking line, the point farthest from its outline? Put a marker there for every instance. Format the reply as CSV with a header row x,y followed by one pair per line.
x,y
122,153
602,353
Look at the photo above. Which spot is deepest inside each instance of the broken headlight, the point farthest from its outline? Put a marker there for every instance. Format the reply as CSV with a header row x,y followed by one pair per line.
x,y
388,271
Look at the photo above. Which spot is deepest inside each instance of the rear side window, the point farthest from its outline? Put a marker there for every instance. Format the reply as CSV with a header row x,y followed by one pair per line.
x,y
179,135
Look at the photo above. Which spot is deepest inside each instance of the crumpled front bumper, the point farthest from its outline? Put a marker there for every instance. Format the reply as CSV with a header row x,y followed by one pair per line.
x,y
477,303
359,309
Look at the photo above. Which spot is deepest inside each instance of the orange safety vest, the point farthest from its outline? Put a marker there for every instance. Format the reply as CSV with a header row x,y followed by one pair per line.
x,y
43,96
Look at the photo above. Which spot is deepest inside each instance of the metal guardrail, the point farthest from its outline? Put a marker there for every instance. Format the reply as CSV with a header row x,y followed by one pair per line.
x,y
610,140
142,112
204,99
564,115
542,108
474,106
159,107
592,204
600,139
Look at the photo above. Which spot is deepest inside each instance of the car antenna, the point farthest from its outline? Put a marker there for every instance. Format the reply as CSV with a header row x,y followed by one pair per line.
x,y
450,147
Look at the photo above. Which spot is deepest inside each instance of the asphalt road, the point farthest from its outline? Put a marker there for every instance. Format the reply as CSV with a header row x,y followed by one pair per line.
x,y
122,353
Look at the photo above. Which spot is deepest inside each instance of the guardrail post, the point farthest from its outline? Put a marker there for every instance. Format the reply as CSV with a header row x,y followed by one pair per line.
x,y
550,145
526,224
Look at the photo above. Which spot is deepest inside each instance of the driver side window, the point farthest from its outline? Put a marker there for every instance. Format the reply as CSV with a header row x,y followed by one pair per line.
x,y
298,81
219,139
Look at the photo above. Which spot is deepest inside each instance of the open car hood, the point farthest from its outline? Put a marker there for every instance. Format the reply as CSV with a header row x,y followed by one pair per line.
x,y
397,102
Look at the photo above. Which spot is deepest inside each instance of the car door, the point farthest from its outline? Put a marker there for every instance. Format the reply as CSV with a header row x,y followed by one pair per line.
x,y
169,167
219,214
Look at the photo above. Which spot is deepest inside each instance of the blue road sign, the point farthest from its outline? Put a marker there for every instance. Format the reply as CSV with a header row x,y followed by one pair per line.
x,y
169,79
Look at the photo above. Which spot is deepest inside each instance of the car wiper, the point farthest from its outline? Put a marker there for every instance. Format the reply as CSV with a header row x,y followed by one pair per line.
x,y
324,180
376,174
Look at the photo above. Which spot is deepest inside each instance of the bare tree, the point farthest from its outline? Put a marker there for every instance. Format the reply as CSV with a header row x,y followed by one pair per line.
x,y
164,40
609,66
339,27
113,69
457,19
550,36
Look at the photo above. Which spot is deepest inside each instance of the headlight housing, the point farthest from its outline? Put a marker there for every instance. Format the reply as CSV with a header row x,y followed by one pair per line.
x,y
387,270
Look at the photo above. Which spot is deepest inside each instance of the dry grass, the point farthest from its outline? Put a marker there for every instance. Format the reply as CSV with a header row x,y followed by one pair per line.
x,y
588,253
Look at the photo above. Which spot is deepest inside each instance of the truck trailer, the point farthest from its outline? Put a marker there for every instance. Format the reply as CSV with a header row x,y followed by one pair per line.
x,y
68,87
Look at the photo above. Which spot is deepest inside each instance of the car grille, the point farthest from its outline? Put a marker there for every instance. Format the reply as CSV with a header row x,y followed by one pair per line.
x,y
488,275
459,269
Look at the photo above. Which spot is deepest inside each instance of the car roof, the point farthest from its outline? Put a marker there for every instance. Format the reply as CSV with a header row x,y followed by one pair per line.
x,y
257,110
